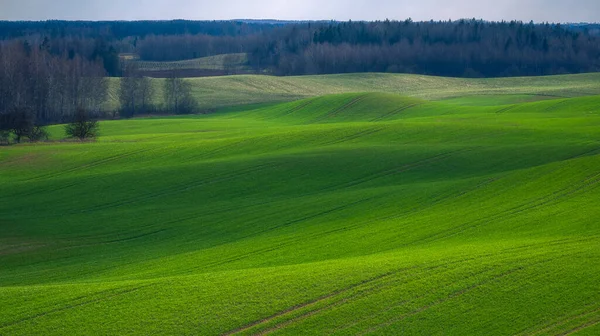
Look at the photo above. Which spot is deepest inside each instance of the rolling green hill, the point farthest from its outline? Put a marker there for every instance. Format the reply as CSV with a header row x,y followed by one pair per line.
x,y
218,92
347,214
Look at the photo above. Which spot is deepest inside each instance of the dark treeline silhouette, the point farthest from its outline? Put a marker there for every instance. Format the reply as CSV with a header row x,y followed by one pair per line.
x,y
106,39
586,28
71,47
470,48
117,30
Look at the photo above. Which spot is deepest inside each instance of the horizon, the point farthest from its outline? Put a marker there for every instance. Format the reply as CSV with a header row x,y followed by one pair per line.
x,y
266,20
539,11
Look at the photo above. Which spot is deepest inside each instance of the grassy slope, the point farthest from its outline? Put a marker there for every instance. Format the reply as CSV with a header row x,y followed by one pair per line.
x,y
345,214
217,92
218,62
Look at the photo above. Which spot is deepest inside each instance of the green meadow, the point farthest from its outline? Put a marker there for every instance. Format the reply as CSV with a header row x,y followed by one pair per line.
x,y
430,207
214,93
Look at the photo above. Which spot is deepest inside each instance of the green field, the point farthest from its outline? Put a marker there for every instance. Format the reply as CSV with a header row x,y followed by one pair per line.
x,y
344,214
217,92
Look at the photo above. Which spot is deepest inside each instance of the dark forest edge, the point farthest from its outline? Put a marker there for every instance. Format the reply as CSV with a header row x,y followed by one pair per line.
x,y
463,48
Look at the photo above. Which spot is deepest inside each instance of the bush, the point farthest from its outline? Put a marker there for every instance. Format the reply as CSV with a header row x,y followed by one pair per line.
x,y
18,121
83,126
37,133
4,137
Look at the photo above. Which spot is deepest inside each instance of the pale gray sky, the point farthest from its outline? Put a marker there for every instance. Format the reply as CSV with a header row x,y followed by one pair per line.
x,y
525,10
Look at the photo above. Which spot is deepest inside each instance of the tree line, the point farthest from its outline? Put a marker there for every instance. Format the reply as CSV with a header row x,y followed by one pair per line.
x,y
119,30
137,95
466,48
38,88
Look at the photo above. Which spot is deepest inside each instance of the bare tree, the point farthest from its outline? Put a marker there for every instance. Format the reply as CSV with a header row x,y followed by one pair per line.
x,y
178,96
229,63
83,126
129,93
51,86
18,121
146,89
135,92
38,133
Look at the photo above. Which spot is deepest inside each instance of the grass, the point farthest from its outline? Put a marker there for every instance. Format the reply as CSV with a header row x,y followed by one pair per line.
x,y
219,92
218,62
354,213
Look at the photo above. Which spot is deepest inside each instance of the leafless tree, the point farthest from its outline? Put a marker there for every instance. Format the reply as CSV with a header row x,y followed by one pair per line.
x,y
51,86
129,93
146,89
83,126
178,96
135,92
18,121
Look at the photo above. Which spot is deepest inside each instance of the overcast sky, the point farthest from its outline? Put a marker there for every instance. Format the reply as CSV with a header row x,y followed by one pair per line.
x,y
525,10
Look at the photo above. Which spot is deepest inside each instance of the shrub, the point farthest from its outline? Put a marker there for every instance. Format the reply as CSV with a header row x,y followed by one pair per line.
x,y
83,126
4,137
37,133
18,121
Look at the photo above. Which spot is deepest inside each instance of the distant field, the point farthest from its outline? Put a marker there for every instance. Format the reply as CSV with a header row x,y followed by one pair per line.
x,y
218,65
346,214
219,62
218,92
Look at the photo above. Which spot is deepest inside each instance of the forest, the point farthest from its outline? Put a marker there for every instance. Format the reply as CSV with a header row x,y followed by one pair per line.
x,y
460,49
463,48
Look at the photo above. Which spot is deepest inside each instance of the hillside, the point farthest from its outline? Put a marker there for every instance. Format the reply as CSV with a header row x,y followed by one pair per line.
x,y
217,92
346,214
219,62
218,65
